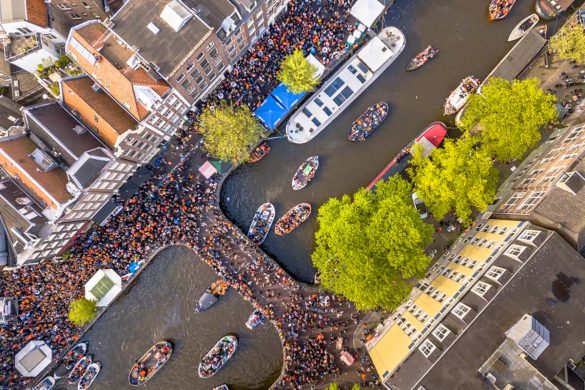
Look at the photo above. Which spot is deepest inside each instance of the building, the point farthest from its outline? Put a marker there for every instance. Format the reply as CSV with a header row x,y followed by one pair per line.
x,y
547,187
498,310
10,116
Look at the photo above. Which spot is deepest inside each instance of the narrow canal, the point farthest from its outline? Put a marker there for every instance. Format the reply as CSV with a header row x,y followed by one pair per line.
x,y
160,306
469,45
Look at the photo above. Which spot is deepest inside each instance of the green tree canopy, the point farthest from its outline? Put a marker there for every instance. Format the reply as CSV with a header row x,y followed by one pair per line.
x,y
230,131
333,386
456,178
369,244
569,43
297,73
508,116
82,311
356,387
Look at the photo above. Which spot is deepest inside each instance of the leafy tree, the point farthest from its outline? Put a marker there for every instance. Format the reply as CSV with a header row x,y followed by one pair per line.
x,y
297,73
333,386
509,115
82,311
356,387
229,132
569,43
369,244
456,178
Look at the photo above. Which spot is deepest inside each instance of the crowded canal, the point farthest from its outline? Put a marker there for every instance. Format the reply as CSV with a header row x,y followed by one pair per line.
x,y
469,45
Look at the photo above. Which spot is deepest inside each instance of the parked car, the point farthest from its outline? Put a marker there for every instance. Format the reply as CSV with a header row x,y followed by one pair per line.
x,y
420,206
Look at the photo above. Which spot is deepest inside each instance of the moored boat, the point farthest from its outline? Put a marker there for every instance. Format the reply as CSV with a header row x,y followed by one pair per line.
x,y
46,384
369,121
218,356
221,387
422,58
89,376
499,9
79,369
459,97
292,219
523,27
212,295
255,319
305,173
150,363
261,223
74,355
260,152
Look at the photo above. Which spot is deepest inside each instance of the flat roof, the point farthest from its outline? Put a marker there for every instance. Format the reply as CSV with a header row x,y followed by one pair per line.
x,y
10,114
375,54
213,12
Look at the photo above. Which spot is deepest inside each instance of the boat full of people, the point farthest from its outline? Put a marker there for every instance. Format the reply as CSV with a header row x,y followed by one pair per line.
x,y
150,363
260,152
422,58
499,9
74,355
261,223
459,97
218,356
46,384
369,121
255,319
212,295
79,369
305,173
523,27
345,85
292,219
89,376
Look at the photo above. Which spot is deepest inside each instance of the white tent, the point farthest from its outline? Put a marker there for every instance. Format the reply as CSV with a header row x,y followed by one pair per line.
x,y
33,358
367,11
103,287
316,63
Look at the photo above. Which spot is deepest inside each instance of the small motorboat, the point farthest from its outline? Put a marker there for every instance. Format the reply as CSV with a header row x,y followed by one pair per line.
x,y
221,387
218,356
292,219
255,319
422,58
305,173
523,27
499,9
261,223
150,363
46,384
79,369
369,121
212,295
260,152
89,376
459,97
74,355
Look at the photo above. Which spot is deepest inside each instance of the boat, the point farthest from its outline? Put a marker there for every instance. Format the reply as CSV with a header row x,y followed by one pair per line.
x,y
255,319
422,58
261,223
89,376
499,9
79,369
74,355
369,121
523,27
428,140
221,387
260,152
46,384
348,82
150,363
550,9
212,295
459,97
292,219
218,356
305,173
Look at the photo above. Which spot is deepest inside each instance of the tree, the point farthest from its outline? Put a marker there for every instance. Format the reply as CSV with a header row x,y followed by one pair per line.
x,y
569,43
508,116
297,73
356,387
369,244
229,132
456,178
333,386
82,311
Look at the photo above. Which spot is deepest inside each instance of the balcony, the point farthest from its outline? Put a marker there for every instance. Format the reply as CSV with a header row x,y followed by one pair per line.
x,y
18,47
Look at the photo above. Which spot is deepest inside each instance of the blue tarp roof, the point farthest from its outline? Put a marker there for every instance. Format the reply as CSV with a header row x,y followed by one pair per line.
x,y
286,97
271,112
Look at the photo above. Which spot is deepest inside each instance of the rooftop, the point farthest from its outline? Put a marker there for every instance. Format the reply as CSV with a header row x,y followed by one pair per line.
x,y
66,14
89,167
213,12
10,114
34,11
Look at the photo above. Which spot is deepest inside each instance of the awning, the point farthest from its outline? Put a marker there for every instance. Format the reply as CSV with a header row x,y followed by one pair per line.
x,y
207,170
367,11
33,358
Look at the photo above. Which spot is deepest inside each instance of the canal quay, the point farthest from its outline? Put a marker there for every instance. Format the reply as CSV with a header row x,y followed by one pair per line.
x,y
469,45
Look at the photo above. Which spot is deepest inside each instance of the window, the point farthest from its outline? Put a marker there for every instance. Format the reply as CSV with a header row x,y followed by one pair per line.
x,y
460,310
441,332
190,66
494,273
514,251
480,288
529,235
185,84
199,56
181,77
334,86
426,348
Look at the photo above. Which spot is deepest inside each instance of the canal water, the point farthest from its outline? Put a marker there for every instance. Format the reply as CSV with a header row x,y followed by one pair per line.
x,y
160,306
469,45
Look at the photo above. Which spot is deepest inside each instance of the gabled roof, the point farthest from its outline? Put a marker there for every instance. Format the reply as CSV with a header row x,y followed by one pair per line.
x,y
89,167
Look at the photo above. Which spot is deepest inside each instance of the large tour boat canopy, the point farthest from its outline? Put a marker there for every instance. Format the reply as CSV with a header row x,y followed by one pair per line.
x,y
367,11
